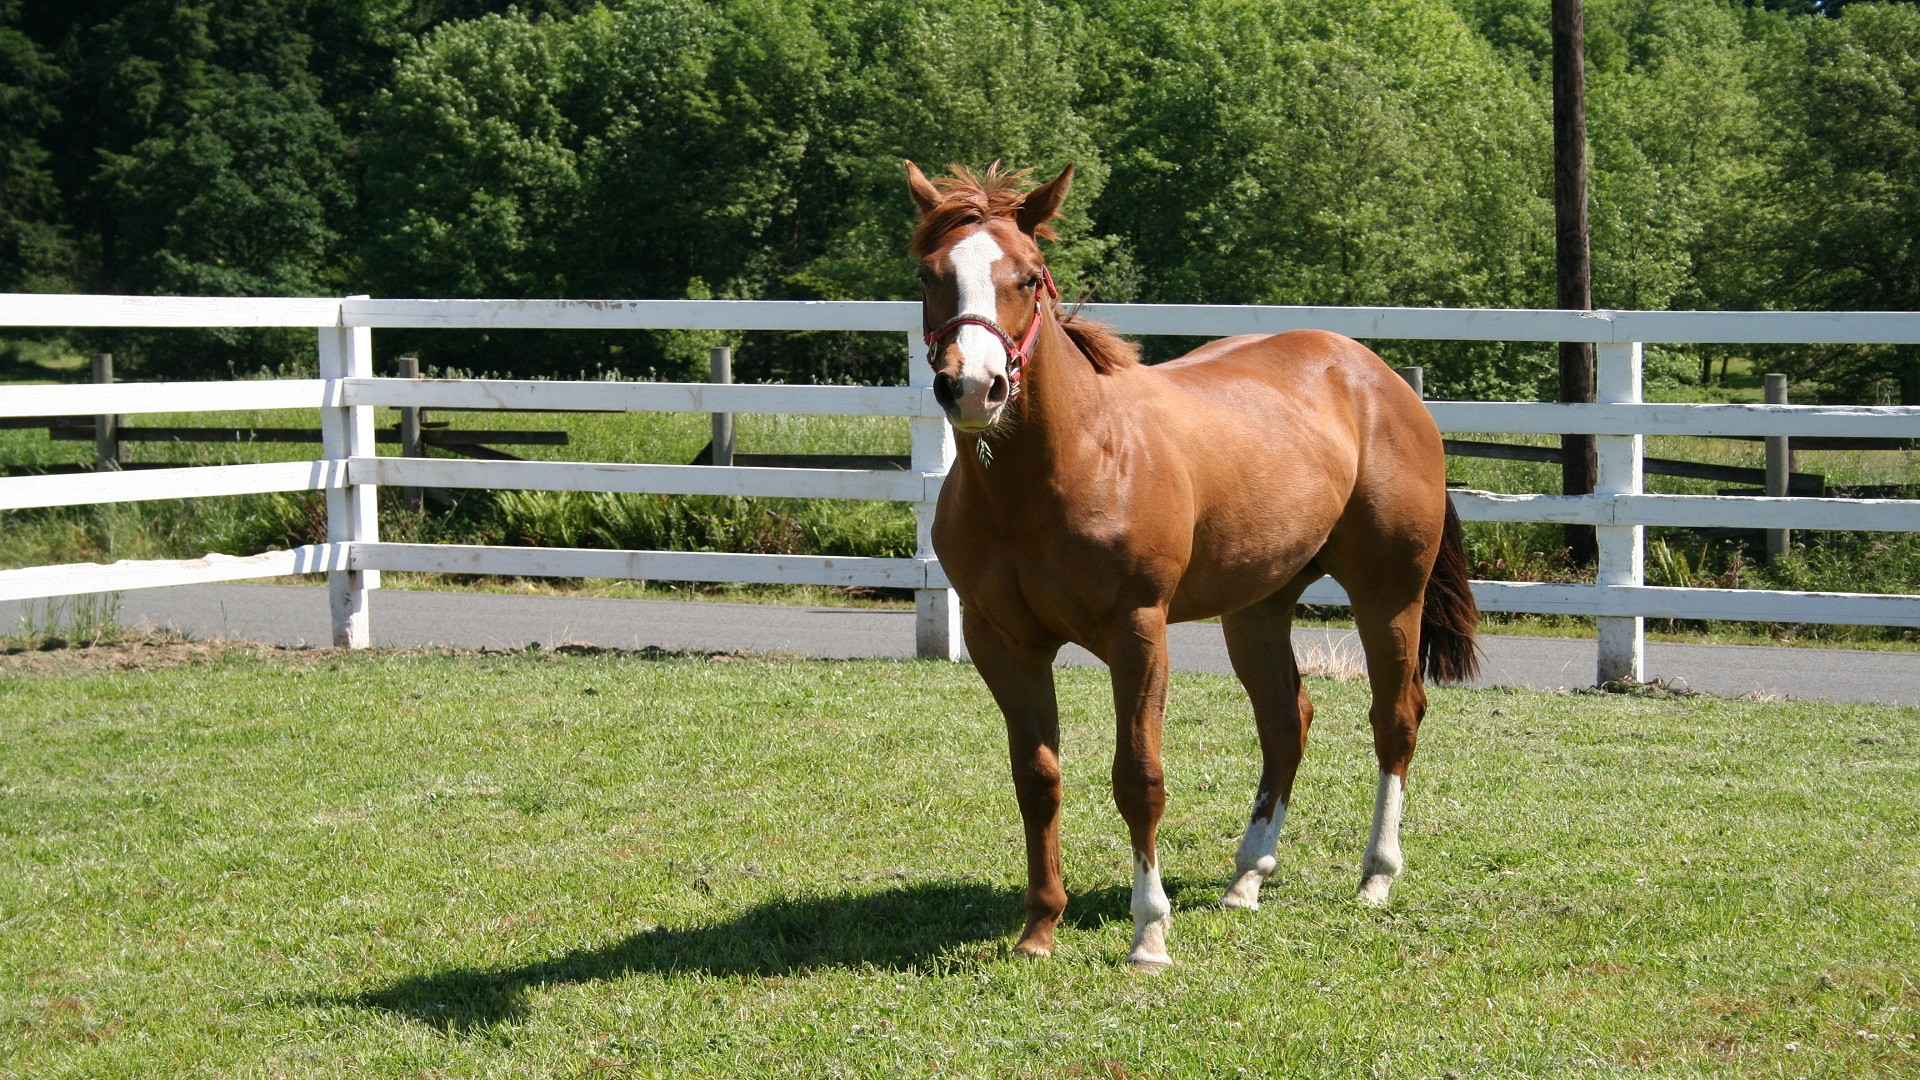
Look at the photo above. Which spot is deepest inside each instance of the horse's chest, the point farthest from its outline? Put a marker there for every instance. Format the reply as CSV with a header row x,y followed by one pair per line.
x,y
1058,574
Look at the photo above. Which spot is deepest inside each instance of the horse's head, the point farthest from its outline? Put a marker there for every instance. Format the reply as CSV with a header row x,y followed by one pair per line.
x,y
985,284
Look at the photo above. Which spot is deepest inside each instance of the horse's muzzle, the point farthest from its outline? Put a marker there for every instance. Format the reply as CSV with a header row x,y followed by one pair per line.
x,y
972,405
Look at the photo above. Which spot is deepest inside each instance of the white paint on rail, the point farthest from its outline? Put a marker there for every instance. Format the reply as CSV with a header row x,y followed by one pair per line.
x,y
1668,418
636,314
90,398
602,396
85,309
876,484
1211,320
827,570
78,578
192,482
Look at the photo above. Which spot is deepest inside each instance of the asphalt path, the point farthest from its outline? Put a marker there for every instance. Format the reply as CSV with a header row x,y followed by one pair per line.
x,y
296,615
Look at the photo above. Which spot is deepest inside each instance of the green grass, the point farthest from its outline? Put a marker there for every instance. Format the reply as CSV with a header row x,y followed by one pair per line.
x,y
228,862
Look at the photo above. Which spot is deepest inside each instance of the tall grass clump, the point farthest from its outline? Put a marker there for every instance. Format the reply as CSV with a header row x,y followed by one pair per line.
x,y
66,621
161,529
702,523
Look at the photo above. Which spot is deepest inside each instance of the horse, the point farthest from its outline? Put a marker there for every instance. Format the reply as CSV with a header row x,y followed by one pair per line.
x,y
1095,499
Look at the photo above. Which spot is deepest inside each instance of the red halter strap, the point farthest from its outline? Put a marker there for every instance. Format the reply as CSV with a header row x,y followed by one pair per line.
x,y
1017,352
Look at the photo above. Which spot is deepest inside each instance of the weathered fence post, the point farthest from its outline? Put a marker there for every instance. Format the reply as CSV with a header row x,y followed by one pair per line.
x,y
346,432
108,451
720,363
1779,467
1622,548
936,628
1416,377
411,445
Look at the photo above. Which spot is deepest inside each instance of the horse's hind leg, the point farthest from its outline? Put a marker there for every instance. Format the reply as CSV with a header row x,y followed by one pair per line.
x,y
1260,644
1388,618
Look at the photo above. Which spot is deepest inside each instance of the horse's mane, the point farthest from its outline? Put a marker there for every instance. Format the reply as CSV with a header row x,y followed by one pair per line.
x,y
967,199
1104,349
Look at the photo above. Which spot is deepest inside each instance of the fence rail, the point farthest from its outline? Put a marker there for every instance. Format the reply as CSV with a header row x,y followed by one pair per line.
x,y
350,473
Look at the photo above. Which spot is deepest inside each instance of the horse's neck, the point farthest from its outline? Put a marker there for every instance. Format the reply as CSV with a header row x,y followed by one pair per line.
x,y
1063,404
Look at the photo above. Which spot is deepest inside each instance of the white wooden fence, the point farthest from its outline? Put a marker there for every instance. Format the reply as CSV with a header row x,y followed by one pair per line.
x,y
350,473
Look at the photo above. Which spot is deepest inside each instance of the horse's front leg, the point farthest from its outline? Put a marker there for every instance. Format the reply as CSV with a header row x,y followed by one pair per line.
x,y
1137,654
1021,679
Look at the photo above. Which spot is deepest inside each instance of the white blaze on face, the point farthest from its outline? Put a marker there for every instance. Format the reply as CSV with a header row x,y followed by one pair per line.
x,y
983,355
1383,861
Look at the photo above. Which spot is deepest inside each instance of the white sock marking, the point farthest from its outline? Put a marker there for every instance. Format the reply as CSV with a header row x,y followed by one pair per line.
x,y
982,355
1253,862
1152,914
1383,862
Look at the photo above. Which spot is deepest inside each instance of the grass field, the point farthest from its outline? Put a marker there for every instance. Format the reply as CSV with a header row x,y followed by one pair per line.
x,y
218,861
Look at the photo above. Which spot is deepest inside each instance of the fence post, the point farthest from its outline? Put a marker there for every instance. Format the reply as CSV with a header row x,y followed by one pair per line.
x,y
1416,377
1622,548
411,445
720,364
108,451
1779,465
346,352
936,626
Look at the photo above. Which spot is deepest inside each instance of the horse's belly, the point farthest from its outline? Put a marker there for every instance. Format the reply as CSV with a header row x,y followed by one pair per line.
x,y
1241,564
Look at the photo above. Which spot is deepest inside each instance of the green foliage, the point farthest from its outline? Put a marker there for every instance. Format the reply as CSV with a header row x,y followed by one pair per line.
x,y
687,149
1277,153
1234,151
35,250
239,199
699,523
1843,200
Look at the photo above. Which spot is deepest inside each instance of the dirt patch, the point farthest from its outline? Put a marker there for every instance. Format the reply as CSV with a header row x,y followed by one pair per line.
x,y
147,654
156,652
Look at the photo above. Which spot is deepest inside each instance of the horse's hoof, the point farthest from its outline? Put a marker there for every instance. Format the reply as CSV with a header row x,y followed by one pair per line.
x,y
1243,895
1150,962
1374,889
1033,950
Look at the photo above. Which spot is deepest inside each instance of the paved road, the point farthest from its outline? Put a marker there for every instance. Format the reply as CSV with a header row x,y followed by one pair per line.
x,y
297,615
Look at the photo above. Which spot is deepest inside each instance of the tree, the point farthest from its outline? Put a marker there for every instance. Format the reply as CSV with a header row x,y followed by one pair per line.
x,y
35,250
682,149
1843,201
646,152
1334,154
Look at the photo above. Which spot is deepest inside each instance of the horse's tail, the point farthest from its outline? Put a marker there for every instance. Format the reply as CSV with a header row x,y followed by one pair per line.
x,y
1447,650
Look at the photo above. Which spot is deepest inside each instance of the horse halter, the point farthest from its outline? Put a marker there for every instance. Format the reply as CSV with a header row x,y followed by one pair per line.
x,y
1017,352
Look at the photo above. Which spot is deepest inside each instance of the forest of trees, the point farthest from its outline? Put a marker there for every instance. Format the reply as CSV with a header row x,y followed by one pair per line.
x,y
1229,151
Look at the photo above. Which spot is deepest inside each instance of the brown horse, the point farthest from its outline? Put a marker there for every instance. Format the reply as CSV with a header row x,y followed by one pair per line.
x,y
1097,499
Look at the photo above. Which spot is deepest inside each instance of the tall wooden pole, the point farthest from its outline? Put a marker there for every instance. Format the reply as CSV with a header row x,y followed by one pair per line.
x,y
1572,258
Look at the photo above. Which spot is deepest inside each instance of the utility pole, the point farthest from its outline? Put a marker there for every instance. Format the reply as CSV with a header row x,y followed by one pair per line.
x,y
1572,256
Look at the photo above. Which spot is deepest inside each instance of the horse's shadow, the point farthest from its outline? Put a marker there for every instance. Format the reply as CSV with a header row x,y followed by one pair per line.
x,y
913,927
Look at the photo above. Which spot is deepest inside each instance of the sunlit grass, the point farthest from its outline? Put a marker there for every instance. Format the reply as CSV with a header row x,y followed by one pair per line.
x,y
238,862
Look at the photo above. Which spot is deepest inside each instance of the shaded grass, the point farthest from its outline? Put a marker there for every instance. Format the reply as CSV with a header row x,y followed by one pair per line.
x,y
239,862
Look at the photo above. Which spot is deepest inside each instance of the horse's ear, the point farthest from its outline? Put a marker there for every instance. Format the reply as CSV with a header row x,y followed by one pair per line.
x,y
925,195
1044,202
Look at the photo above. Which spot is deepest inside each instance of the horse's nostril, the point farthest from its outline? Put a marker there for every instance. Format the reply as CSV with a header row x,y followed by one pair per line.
x,y
997,390
943,391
